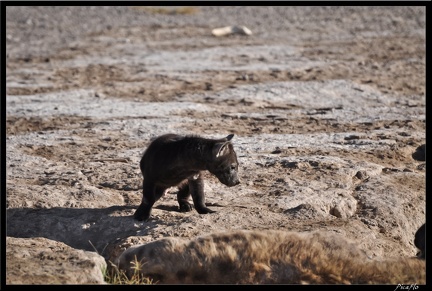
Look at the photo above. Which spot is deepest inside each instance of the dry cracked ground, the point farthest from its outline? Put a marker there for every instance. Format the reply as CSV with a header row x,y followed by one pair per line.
x,y
327,105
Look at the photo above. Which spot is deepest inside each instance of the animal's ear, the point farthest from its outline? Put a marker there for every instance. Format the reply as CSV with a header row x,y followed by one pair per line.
x,y
229,137
220,149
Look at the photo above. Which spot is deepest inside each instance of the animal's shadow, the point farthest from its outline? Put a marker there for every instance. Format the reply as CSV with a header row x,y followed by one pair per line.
x,y
81,228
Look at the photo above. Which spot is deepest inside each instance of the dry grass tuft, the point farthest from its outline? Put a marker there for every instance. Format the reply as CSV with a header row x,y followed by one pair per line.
x,y
115,276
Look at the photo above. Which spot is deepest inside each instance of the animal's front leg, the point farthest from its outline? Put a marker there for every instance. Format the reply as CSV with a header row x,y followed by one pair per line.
x,y
196,188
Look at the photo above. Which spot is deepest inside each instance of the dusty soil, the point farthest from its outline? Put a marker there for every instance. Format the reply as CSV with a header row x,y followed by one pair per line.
x,y
328,112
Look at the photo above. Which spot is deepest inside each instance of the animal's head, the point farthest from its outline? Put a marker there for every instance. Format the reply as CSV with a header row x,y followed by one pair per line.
x,y
223,162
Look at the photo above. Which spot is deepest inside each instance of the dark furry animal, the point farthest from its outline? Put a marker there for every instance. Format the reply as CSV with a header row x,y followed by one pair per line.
x,y
175,160
420,241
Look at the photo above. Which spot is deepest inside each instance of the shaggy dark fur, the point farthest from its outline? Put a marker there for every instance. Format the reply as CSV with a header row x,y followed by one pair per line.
x,y
420,241
174,160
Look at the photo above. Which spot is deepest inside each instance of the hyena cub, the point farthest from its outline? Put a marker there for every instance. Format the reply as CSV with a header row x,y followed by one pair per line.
x,y
175,160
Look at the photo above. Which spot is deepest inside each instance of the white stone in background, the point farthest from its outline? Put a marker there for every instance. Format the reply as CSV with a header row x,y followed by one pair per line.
x,y
227,30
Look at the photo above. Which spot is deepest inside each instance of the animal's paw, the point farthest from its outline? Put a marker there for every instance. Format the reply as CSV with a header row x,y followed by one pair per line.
x,y
185,207
141,215
204,210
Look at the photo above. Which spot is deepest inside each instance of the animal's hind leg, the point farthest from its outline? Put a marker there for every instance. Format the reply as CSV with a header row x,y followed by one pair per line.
x,y
151,194
183,197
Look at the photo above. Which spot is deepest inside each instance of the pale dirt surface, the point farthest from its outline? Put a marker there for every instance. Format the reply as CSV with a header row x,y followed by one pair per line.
x,y
327,105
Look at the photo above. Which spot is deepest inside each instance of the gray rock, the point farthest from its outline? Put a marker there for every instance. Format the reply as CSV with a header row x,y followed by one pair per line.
x,y
44,261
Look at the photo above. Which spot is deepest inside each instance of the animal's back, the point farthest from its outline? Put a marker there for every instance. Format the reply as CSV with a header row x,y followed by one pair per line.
x,y
158,150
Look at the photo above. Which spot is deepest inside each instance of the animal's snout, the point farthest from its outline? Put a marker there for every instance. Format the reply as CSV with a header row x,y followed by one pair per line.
x,y
228,178
234,182
229,181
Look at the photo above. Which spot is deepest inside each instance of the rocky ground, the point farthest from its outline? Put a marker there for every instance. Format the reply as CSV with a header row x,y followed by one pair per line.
x,y
327,105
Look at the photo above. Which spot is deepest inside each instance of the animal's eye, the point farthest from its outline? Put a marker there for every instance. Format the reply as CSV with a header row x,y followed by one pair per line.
x,y
233,167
